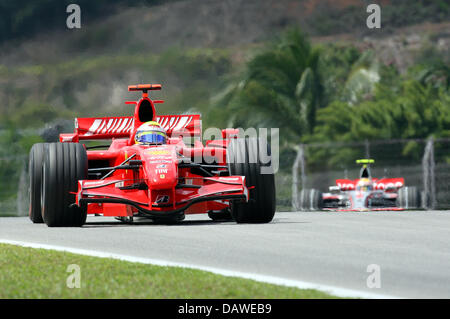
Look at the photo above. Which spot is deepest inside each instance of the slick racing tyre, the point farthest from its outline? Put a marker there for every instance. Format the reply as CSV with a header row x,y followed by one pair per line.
x,y
408,198
311,199
250,157
37,153
64,165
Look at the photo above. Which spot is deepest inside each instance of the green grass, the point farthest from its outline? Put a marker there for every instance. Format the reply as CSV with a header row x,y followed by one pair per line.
x,y
40,273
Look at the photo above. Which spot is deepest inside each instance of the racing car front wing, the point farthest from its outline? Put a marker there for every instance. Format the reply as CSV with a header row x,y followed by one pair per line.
x,y
122,198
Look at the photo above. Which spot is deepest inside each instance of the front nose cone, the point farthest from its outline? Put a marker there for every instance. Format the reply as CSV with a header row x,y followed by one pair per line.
x,y
161,167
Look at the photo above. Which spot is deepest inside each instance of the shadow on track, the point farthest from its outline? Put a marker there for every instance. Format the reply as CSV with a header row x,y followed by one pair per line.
x,y
147,222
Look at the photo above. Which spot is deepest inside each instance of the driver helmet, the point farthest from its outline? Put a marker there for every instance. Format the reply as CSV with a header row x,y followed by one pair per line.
x,y
150,133
364,184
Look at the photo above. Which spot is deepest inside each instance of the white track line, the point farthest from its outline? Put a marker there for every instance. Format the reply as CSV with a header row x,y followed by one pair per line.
x,y
336,291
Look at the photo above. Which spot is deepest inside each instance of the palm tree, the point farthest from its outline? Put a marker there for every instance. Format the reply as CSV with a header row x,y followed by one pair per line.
x,y
280,88
362,79
437,74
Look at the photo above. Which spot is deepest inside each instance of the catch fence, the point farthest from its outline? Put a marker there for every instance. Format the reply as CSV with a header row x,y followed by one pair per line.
x,y
424,163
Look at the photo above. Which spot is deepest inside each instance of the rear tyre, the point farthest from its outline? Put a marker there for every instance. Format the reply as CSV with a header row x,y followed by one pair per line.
x,y
64,164
408,198
37,153
250,157
311,199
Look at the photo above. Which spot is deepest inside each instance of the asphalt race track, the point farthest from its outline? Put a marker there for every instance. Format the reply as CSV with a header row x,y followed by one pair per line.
x,y
412,249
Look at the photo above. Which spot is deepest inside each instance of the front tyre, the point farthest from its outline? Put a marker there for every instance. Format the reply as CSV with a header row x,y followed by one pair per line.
x,y
64,165
250,157
37,153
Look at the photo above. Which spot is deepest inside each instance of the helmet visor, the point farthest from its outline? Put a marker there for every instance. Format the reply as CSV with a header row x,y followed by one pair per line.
x,y
152,138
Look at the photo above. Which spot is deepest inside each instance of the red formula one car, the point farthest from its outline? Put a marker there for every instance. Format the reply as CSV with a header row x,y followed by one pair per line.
x,y
229,178
363,194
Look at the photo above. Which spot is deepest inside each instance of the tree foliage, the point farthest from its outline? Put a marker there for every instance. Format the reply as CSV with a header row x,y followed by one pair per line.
x,y
281,87
339,94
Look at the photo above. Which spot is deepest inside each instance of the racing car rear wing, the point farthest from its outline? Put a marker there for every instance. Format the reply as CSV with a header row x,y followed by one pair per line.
x,y
380,184
122,126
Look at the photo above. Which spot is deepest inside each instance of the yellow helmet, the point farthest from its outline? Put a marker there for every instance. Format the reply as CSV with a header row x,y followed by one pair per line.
x,y
150,133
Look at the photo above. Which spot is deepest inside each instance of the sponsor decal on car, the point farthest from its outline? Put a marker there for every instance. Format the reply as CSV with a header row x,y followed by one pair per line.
x,y
388,185
158,152
346,186
94,183
167,158
376,185
160,161
160,199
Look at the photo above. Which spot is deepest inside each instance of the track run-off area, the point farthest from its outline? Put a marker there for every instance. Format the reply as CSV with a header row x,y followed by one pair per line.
x,y
330,251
